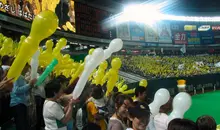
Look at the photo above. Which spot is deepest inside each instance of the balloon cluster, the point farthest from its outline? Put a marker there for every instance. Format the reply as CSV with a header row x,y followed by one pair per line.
x,y
28,51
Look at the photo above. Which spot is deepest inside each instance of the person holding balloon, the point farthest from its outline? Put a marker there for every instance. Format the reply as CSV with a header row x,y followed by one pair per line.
x,y
55,116
19,100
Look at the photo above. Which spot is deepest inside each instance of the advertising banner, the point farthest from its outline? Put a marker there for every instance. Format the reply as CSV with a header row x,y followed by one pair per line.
x,y
27,9
190,28
151,33
204,28
65,11
216,37
89,21
206,37
180,38
164,32
216,28
123,31
137,31
193,38
176,26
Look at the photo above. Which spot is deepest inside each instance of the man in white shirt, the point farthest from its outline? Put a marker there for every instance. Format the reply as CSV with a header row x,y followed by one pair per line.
x,y
55,117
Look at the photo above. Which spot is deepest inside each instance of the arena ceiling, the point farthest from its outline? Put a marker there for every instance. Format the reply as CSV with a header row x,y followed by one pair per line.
x,y
178,6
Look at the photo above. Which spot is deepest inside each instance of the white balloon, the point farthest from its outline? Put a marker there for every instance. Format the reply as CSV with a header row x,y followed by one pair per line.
x,y
88,57
116,45
181,103
34,65
161,97
90,65
107,54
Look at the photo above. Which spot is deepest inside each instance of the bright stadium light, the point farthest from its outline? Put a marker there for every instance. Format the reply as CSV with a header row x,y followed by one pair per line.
x,y
141,13
151,12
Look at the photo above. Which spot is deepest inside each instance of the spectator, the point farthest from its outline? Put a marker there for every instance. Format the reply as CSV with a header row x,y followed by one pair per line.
x,y
6,63
54,116
122,103
182,124
19,100
160,120
140,116
140,93
206,123
95,108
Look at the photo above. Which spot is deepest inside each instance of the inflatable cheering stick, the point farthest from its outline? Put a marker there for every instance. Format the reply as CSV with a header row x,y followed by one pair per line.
x,y
43,25
90,65
34,65
181,103
161,97
46,56
47,71
7,47
143,83
112,75
22,38
100,73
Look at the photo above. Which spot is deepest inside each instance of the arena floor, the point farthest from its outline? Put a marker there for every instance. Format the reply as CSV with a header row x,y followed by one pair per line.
x,y
205,104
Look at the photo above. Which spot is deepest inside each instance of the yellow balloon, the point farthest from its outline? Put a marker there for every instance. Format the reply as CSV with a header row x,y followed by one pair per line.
x,y
7,48
134,98
57,51
1,39
123,88
78,72
120,84
61,43
100,73
112,75
91,51
46,56
116,63
130,91
143,83
43,25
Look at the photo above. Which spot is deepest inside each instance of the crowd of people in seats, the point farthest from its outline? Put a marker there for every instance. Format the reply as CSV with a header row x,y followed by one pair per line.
x,y
55,109
172,66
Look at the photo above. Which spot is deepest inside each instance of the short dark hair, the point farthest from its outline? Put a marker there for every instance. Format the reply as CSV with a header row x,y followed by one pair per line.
x,y
97,92
182,124
6,60
62,79
206,123
51,88
119,100
139,90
